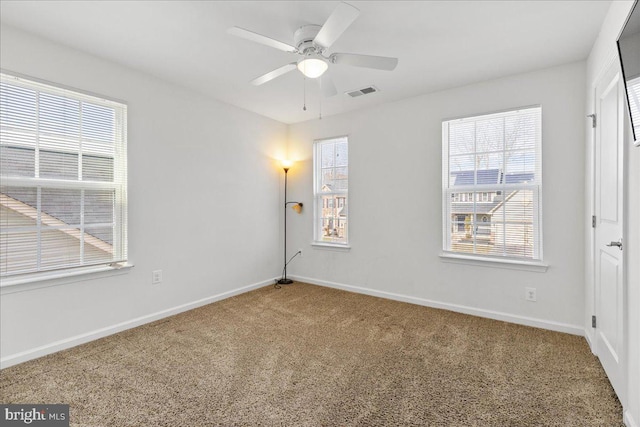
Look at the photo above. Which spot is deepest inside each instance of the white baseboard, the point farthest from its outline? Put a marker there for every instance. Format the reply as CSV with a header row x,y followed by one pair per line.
x,y
506,317
588,336
34,353
628,420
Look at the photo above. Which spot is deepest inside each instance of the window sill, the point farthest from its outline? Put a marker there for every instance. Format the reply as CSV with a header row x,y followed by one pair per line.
x,y
44,280
331,246
509,264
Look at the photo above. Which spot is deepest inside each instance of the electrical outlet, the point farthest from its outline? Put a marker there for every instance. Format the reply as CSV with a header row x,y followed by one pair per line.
x,y
156,277
300,250
530,294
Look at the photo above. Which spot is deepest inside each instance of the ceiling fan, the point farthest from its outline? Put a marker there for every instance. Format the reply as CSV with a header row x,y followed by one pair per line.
x,y
311,42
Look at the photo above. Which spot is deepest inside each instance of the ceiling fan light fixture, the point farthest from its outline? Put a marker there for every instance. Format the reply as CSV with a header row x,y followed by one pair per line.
x,y
313,66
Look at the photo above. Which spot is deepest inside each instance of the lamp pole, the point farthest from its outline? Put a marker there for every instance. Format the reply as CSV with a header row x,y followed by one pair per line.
x,y
284,280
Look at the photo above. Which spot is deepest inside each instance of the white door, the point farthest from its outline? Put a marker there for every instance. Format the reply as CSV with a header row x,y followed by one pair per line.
x,y
609,295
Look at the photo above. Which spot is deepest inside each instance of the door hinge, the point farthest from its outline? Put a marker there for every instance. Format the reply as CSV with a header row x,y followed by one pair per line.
x,y
593,221
593,119
593,321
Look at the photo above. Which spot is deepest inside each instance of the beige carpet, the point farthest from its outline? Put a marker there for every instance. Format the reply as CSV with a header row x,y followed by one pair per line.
x,y
306,355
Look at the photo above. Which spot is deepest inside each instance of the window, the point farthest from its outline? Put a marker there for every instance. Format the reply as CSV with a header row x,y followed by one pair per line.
x,y
633,96
63,186
492,185
331,183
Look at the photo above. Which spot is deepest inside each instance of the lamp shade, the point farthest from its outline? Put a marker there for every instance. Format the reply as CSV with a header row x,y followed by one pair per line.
x,y
286,164
313,67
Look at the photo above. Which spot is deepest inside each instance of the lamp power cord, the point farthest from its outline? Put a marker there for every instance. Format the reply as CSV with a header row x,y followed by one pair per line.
x,y
276,285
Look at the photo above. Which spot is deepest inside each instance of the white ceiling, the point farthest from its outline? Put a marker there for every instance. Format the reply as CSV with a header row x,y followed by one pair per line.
x,y
440,44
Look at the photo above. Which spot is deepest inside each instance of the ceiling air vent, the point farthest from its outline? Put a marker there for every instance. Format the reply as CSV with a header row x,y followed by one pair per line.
x,y
363,91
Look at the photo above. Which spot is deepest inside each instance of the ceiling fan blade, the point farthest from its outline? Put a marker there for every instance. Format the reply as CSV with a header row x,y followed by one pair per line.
x,y
366,61
326,86
273,74
340,19
259,38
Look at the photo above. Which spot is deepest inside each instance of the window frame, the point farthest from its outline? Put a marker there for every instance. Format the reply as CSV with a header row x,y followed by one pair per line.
x,y
318,196
533,263
118,185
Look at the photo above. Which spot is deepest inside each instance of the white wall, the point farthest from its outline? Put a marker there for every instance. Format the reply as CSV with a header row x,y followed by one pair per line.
x,y
395,202
602,54
203,205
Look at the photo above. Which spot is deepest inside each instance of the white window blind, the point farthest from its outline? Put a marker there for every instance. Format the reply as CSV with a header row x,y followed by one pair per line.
x,y
331,184
492,183
633,92
63,178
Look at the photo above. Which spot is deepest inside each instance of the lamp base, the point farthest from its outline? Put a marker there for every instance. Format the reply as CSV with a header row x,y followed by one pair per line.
x,y
285,282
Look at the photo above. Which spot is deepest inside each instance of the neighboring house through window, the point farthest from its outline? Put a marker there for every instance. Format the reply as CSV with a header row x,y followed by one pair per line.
x,y
492,185
63,182
331,183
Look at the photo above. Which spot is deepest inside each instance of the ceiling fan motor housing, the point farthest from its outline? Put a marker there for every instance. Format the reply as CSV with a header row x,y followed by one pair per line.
x,y
303,39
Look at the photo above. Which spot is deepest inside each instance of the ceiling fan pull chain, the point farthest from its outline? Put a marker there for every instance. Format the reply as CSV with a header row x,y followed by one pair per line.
x,y
304,95
320,98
